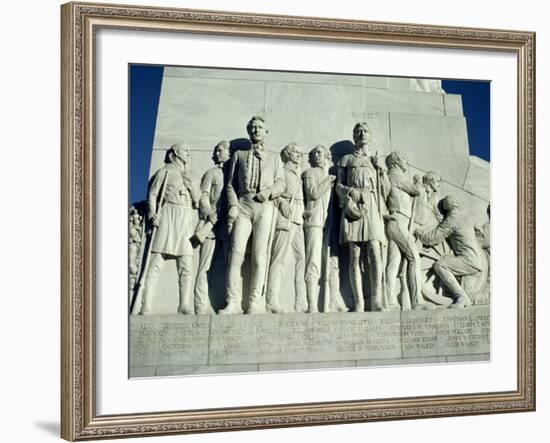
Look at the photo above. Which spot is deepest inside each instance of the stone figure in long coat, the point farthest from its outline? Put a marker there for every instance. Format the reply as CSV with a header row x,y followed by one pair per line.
x,y
361,186
173,216
255,180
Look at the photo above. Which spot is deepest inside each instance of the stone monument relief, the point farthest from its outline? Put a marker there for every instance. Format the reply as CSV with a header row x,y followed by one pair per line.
x,y
308,221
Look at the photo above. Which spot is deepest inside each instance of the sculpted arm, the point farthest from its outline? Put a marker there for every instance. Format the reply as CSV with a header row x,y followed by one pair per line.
x,y
436,235
232,182
313,190
279,185
153,193
341,188
204,202
408,186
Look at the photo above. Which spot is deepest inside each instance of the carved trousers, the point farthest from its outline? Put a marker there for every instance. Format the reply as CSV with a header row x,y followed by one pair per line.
x,y
184,264
449,267
206,255
283,242
402,245
314,264
373,266
255,219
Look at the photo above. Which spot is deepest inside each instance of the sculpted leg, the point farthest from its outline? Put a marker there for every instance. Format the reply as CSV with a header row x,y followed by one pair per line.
x,y
355,277
147,306
185,274
298,250
261,238
241,232
446,268
314,244
375,269
279,257
392,271
202,302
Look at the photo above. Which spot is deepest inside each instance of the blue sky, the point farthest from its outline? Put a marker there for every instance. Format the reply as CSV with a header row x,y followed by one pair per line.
x,y
145,84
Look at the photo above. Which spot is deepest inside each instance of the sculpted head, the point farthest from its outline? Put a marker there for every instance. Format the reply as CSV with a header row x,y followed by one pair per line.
x,y
178,154
432,181
292,153
361,134
318,156
397,160
221,152
257,129
450,203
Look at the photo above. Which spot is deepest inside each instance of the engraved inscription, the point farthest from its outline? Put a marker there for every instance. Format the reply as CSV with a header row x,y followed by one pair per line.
x,y
157,340
446,333
299,338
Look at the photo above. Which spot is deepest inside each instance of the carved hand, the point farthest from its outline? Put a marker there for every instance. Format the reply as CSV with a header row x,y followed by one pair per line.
x,y
354,195
284,207
155,220
378,164
233,213
263,195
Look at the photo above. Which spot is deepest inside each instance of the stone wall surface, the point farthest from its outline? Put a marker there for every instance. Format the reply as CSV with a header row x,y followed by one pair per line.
x,y
181,344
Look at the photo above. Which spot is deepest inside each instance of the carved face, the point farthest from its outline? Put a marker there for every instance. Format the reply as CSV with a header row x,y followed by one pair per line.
x,y
221,154
435,184
257,131
318,157
294,156
361,135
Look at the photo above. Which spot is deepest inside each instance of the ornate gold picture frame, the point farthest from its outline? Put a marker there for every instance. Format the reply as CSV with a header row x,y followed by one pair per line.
x,y
80,23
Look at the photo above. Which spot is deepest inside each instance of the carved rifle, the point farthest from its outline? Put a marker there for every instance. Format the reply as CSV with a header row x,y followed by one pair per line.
x,y
138,299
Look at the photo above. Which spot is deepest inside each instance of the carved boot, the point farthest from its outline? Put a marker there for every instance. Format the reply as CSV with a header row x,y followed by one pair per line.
x,y
257,303
461,301
312,296
233,307
273,306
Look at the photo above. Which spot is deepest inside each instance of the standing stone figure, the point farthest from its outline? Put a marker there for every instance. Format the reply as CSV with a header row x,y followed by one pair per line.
x,y
317,189
465,263
289,233
173,217
212,232
256,178
361,184
402,244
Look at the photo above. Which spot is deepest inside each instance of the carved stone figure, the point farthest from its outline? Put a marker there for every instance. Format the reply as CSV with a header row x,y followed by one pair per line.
x,y
403,253
465,263
212,232
256,178
170,201
289,233
135,237
317,189
361,185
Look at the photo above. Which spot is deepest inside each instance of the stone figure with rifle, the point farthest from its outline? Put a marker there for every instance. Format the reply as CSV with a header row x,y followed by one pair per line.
x,y
289,234
212,231
171,200
318,186
403,254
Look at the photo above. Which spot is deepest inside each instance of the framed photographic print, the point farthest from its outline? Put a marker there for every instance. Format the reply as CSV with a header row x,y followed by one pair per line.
x,y
283,221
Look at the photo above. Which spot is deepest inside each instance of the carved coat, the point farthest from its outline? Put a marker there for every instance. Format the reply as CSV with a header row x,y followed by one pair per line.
x,y
251,172
357,171
176,211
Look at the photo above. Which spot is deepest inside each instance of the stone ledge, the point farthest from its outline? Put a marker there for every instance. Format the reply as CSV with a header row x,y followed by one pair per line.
x,y
178,345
